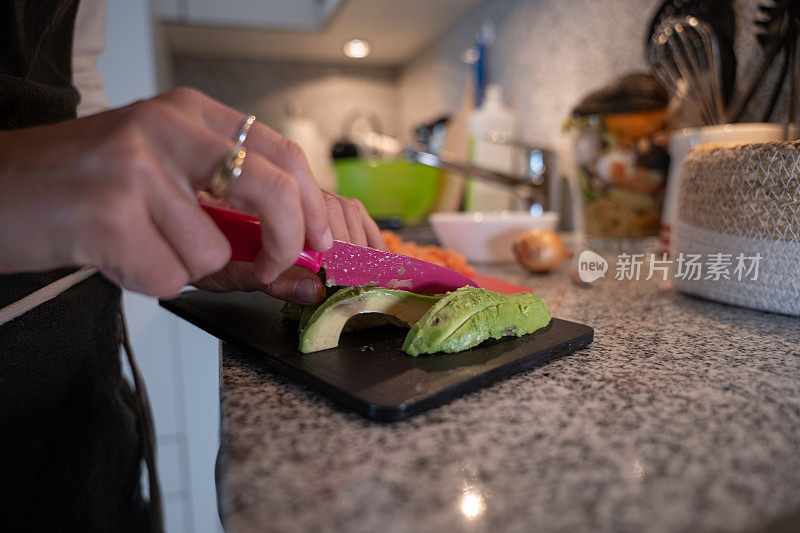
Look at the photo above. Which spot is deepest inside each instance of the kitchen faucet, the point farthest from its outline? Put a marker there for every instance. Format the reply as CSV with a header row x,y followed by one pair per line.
x,y
532,187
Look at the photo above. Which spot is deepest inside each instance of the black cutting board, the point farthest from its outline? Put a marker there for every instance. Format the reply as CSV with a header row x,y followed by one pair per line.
x,y
367,372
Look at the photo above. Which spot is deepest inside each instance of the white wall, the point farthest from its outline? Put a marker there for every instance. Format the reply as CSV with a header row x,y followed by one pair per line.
x,y
128,63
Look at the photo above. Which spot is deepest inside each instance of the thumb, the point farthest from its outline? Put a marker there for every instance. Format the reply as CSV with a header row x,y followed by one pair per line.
x,y
296,284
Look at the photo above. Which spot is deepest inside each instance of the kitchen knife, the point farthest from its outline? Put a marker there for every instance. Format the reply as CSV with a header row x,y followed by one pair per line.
x,y
344,263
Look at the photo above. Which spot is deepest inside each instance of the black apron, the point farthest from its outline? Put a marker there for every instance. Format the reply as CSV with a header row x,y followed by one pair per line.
x,y
69,446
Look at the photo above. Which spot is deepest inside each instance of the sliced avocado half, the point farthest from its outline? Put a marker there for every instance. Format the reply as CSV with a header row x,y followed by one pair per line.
x,y
467,317
322,325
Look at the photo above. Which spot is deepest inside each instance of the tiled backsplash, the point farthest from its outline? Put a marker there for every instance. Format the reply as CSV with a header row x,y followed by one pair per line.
x,y
327,94
546,55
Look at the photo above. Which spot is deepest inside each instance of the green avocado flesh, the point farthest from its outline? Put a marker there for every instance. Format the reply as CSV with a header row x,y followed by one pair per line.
x,y
450,323
322,328
467,317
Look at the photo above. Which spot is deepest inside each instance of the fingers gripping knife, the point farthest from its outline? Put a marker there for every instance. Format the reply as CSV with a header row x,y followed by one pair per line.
x,y
344,263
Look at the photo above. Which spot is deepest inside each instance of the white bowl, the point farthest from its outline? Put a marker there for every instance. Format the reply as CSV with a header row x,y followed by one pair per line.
x,y
487,237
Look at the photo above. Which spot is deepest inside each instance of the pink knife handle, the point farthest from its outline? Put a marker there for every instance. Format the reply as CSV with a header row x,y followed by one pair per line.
x,y
243,231
310,259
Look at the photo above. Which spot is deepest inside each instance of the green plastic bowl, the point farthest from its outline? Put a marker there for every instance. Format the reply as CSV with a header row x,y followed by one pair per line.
x,y
390,188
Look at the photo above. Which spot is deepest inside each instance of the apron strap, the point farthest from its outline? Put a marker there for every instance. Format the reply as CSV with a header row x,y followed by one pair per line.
x,y
46,293
144,417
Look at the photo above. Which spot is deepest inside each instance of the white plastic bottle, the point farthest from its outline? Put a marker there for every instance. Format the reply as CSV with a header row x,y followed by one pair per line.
x,y
492,120
304,132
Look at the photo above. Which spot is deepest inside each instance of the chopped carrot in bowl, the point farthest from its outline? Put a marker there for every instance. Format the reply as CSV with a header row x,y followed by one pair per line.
x,y
433,254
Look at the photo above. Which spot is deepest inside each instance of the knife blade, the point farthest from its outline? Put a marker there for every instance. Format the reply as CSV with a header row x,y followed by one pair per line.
x,y
344,263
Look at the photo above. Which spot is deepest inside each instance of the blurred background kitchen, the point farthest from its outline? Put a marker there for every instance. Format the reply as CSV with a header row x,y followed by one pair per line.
x,y
367,86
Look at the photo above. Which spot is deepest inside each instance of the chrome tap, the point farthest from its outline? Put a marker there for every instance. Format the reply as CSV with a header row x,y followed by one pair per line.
x,y
532,186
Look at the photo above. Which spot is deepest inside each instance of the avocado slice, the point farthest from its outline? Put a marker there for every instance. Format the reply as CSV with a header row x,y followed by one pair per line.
x,y
302,313
322,325
448,314
468,316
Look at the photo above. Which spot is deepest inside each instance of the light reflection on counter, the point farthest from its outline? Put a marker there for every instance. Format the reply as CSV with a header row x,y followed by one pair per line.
x,y
472,504
471,499
638,470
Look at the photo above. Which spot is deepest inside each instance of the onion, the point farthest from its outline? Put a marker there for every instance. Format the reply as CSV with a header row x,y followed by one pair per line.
x,y
540,250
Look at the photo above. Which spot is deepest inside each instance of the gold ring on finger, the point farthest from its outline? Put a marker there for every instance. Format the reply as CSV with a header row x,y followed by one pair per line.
x,y
228,171
230,168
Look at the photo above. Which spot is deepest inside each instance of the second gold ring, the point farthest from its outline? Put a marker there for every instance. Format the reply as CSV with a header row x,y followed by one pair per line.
x,y
230,168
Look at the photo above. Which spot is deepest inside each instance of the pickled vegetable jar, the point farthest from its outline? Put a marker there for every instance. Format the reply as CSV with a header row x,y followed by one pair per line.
x,y
620,155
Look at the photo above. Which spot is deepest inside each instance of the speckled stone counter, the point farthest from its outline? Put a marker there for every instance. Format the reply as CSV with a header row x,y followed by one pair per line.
x,y
684,415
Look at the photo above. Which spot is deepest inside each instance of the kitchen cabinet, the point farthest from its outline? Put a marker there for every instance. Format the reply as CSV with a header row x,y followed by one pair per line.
x,y
296,15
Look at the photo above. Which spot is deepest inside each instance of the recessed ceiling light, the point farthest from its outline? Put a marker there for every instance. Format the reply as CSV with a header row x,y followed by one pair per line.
x,y
356,48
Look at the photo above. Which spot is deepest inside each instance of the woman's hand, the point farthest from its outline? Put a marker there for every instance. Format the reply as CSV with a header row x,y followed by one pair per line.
x,y
349,221
118,190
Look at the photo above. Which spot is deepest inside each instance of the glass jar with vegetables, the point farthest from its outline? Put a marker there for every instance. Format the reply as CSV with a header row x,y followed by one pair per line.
x,y
620,156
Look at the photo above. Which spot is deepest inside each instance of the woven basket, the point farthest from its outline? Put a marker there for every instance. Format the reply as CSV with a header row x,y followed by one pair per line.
x,y
743,200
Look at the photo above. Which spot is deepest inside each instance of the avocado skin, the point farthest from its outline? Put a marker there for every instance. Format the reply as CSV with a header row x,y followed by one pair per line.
x,y
332,296
469,316
292,311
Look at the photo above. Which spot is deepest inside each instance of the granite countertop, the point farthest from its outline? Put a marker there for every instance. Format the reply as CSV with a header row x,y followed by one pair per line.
x,y
683,414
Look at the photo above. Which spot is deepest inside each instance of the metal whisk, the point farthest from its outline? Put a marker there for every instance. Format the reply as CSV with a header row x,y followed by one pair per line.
x,y
684,54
